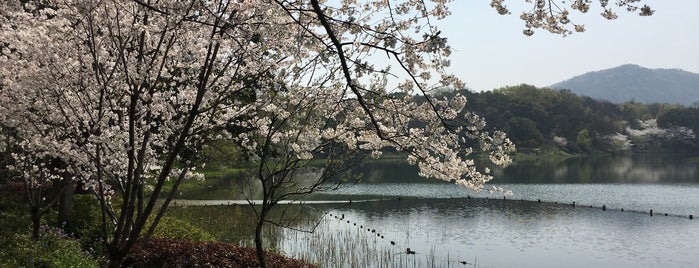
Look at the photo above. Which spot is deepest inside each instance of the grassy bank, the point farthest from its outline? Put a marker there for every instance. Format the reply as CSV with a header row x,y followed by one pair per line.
x,y
177,242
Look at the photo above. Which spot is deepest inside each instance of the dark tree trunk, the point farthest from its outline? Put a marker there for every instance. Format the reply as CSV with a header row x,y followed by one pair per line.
x,y
116,257
65,205
36,222
258,243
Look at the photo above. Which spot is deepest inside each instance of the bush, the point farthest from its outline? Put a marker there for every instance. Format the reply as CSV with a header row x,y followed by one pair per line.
x,y
173,253
174,228
14,216
85,223
86,215
53,249
17,249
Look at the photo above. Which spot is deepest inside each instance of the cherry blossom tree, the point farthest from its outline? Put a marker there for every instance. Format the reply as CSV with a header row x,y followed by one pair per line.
x,y
331,102
124,94
289,130
298,124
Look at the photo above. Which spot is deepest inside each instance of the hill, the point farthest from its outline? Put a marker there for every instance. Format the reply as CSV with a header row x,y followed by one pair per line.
x,y
548,120
632,82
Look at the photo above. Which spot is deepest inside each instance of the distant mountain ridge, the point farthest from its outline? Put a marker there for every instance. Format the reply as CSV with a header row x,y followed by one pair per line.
x,y
632,82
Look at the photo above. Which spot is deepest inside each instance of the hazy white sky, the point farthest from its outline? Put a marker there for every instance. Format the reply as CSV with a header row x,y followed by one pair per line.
x,y
490,50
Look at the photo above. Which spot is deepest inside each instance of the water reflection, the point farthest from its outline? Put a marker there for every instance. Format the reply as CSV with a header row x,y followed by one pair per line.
x,y
528,234
485,232
447,225
497,233
637,168
680,199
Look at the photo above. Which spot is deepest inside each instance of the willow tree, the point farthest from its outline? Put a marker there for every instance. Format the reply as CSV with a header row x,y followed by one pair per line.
x,y
124,93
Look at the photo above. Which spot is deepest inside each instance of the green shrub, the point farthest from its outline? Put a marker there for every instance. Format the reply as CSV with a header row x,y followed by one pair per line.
x,y
14,217
51,250
54,248
85,223
177,229
86,215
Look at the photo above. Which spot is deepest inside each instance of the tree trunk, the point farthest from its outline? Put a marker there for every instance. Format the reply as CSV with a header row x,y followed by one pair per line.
x,y
116,257
258,242
36,222
65,206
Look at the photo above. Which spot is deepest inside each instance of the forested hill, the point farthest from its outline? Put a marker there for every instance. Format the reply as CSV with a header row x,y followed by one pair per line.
x,y
546,118
636,83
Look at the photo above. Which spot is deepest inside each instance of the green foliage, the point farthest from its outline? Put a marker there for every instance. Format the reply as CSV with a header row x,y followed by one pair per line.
x,y
524,132
221,154
236,223
85,223
51,250
686,117
17,249
173,228
219,184
533,116
584,141
14,216
86,214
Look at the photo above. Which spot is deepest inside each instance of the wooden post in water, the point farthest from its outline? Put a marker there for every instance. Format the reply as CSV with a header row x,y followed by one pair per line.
x,y
604,208
651,213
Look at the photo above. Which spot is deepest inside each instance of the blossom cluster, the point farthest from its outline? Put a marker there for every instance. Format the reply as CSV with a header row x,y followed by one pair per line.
x,y
108,89
650,132
120,92
554,16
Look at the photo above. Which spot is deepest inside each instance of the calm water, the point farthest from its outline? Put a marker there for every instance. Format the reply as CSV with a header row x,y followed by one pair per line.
x,y
448,226
445,227
680,199
481,232
496,233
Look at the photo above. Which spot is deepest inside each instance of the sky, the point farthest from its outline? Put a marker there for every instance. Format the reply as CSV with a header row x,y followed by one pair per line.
x,y
490,51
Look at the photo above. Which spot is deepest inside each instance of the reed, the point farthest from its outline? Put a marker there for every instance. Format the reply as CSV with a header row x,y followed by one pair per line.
x,y
337,244
316,237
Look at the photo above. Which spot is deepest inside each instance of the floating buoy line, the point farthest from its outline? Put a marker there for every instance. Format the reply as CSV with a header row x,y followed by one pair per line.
x,y
185,203
408,251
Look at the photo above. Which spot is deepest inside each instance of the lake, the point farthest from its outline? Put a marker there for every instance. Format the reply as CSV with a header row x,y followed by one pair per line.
x,y
448,226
